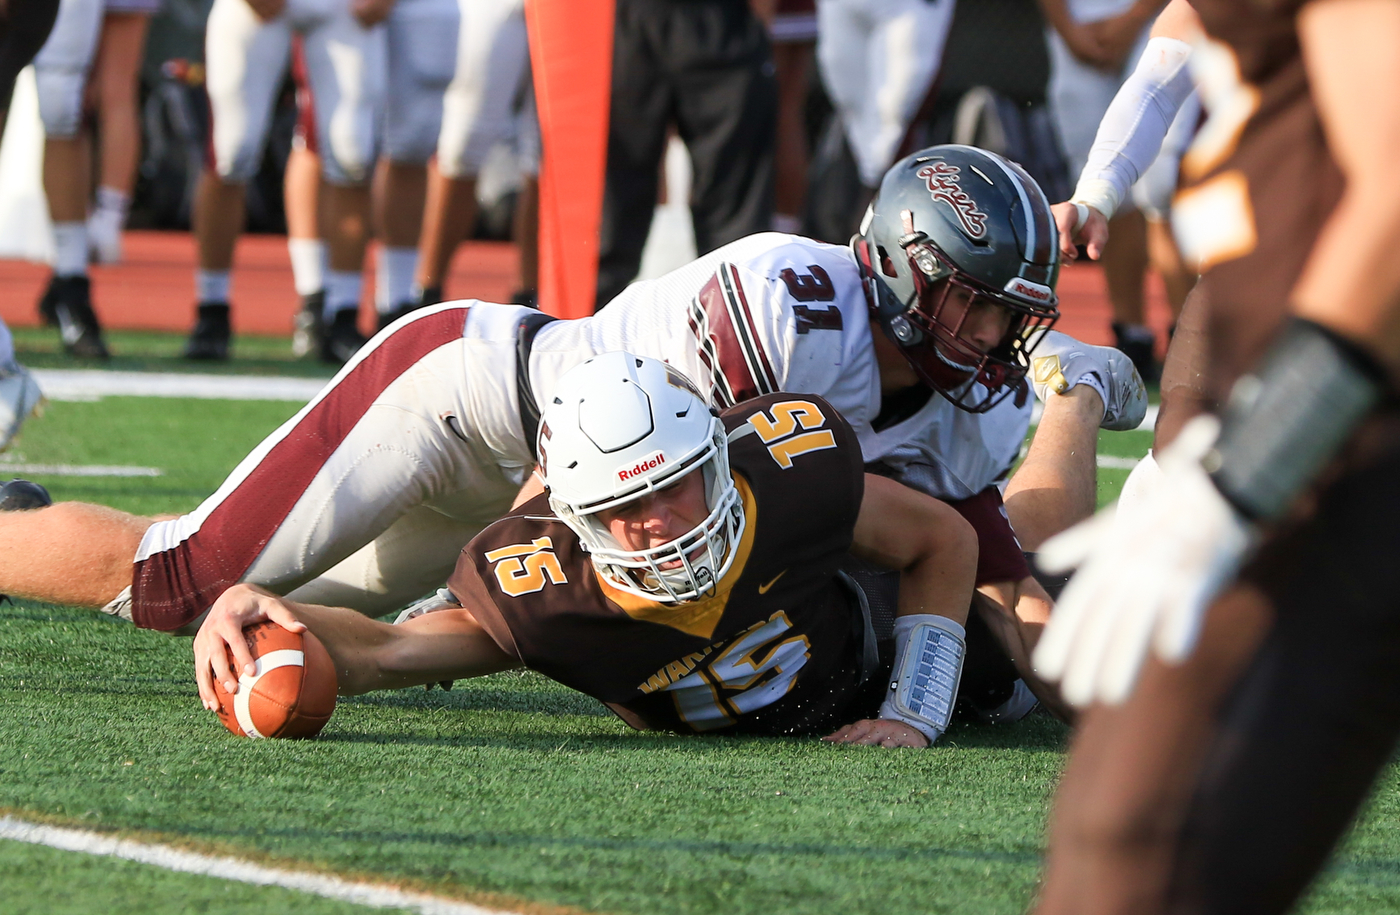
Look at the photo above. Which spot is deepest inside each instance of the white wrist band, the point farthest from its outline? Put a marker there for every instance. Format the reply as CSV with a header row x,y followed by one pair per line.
x,y
1099,194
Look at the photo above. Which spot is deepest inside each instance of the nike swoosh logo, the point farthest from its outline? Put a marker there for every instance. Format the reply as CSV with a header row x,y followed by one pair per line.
x,y
763,589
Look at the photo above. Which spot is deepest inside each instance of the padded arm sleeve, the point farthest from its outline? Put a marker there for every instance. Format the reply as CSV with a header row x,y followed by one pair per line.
x,y
1132,130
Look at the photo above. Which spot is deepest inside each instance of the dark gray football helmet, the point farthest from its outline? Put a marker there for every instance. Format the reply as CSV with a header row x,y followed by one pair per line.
x,y
953,218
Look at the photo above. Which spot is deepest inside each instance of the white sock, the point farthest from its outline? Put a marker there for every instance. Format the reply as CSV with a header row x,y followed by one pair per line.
x,y
70,246
114,203
211,285
343,289
308,264
393,281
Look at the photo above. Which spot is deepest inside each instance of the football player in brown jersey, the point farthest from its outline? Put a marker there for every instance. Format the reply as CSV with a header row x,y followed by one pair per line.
x,y
1217,774
685,569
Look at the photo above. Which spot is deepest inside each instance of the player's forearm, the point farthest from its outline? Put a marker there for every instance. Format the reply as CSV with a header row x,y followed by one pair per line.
x,y
932,546
353,641
1016,612
940,583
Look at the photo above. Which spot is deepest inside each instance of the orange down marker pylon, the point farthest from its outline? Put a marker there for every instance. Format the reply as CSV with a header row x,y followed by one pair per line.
x,y
571,52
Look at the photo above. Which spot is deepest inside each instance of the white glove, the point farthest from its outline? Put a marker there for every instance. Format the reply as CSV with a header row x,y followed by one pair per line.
x,y
1145,577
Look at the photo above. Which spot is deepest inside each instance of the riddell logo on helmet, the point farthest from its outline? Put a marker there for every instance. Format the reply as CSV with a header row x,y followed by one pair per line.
x,y
650,462
1028,290
945,185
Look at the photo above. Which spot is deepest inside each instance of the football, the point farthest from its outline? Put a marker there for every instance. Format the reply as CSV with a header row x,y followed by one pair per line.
x,y
292,694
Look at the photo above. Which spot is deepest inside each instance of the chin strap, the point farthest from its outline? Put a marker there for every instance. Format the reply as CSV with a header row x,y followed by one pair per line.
x,y
928,662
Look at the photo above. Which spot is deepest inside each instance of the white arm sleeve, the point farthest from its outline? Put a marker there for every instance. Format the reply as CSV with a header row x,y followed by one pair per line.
x,y
1132,129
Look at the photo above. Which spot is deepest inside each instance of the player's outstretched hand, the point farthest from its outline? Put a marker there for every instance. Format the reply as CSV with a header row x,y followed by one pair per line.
x,y
1092,233
221,636
1145,578
267,10
878,732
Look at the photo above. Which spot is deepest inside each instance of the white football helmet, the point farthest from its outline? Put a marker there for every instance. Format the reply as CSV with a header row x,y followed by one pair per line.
x,y
619,428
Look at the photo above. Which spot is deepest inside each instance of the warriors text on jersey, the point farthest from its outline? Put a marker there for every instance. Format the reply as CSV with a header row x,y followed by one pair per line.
x,y
775,650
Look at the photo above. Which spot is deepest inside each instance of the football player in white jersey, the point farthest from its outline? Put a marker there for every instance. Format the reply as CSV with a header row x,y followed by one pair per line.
x,y
920,334
879,58
247,50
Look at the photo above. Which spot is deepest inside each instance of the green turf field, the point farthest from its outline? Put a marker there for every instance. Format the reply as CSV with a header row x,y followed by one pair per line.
x,y
507,790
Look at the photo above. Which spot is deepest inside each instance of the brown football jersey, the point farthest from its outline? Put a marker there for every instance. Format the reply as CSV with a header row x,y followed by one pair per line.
x,y
1259,180
776,648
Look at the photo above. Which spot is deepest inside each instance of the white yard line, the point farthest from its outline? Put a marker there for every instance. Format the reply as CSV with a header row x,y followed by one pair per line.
x,y
91,384
79,470
367,894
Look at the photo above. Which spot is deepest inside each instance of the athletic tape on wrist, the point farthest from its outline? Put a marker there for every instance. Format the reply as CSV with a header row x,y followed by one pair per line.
x,y
1099,194
1283,423
928,664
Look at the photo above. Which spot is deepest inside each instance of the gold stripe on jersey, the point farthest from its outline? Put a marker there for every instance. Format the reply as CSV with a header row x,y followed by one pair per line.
x,y
698,618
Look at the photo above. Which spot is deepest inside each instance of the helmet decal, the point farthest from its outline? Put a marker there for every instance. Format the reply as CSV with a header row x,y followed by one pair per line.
x,y
944,184
637,468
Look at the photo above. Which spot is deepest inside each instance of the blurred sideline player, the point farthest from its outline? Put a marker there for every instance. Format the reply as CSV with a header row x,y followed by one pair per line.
x,y
247,50
490,101
792,29
365,497
112,97
61,71
704,67
1095,46
24,27
421,52
1224,779
685,549
879,60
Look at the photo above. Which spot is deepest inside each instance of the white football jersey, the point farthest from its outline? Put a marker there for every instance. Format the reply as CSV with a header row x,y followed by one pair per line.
x,y
775,312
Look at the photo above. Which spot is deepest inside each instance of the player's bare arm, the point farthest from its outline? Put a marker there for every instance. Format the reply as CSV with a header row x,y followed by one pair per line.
x,y
932,546
368,654
935,551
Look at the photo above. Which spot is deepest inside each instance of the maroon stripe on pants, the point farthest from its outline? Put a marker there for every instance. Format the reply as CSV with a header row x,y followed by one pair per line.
x,y
172,587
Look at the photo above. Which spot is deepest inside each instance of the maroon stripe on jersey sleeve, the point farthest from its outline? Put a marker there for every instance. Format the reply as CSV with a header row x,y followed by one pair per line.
x,y
728,342
170,588
999,557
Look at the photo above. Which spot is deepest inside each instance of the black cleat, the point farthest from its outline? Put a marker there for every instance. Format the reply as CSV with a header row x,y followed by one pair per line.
x,y
527,297
430,296
22,496
48,302
341,339
67,303
209,340
1139,345
389,317
306,326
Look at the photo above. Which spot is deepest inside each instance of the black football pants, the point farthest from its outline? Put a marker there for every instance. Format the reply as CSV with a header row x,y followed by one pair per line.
x,y
24,28
1316,713
706,67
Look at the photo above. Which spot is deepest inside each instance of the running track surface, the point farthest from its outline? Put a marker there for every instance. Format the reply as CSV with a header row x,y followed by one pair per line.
x,y
153,288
